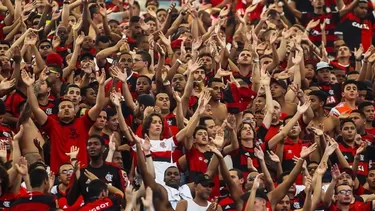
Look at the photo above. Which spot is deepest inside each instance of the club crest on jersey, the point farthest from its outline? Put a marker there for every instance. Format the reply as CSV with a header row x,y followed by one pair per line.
x,y
109,177
162,144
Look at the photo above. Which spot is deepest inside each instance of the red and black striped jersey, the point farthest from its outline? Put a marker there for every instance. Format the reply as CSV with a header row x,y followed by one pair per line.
x,y
331,19
356,30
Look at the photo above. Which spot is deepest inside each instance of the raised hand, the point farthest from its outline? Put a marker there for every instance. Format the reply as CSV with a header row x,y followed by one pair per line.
x,y
31,39
196,44
176,96
51,179
258,152
322,168
303,108
164,40
335,172
117,73
21,166
317,131
219,138
307,151
56,41
7,84
215,150
231,121
112,143
90,175
146,145
257,181
29,81
308,182
115,98
361,148
273,156
55,15
80,39
250,164
74,150
369,52
147,202
37,144
312,24
100,78
19,135
359,52
3,151
203,101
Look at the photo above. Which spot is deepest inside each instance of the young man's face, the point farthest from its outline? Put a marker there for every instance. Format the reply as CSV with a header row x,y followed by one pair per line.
x,y
350,92
357,119
369,112
3,48
349,131
74,95
344,194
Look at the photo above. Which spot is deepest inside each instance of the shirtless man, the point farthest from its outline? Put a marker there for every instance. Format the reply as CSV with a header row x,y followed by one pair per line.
x,y
278,91
331,124
219,110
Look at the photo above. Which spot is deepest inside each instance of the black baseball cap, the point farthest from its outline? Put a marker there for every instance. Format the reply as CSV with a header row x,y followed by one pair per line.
x,y
260,193
204,180
280,82
85,55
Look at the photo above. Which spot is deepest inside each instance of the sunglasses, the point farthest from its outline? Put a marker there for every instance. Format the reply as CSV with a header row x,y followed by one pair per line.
x,y
51,71
125,60
45,47
208,185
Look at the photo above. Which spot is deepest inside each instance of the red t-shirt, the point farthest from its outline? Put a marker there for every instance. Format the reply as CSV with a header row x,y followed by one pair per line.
x,y
63,136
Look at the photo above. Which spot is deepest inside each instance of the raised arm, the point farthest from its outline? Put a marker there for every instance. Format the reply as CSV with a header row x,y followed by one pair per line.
x,y
276,195
234,190
283,133
40,115
267,176
100,99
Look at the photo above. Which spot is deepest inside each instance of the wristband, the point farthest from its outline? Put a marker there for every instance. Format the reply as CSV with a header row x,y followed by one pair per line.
x,y
148,156
358,60
73,159
66,2
179,61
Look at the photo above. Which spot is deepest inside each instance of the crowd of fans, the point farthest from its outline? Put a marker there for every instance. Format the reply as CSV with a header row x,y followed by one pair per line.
x,y
200,106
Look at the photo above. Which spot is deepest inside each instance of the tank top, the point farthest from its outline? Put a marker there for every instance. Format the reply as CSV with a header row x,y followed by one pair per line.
x,y
192,206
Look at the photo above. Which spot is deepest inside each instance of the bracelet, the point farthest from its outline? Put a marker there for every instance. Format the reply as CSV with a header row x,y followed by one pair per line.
x,y
73,159
179,61
358,60
148,156
66,2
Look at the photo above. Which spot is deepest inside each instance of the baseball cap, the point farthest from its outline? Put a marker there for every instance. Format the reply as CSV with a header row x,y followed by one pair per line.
x,y
85,55
260,193
322,65
204,180
348,171
280,82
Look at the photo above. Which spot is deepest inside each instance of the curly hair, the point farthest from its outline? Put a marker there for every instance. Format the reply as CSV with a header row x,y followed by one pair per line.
x,y
147,123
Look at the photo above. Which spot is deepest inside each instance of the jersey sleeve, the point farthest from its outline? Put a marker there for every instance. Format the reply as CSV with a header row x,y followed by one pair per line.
x,y
87,122
49,124
334,112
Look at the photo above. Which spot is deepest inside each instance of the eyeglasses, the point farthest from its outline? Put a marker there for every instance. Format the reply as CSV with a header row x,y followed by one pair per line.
x,y
210,185
51,71
126,60
345,192
67,171
45,47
